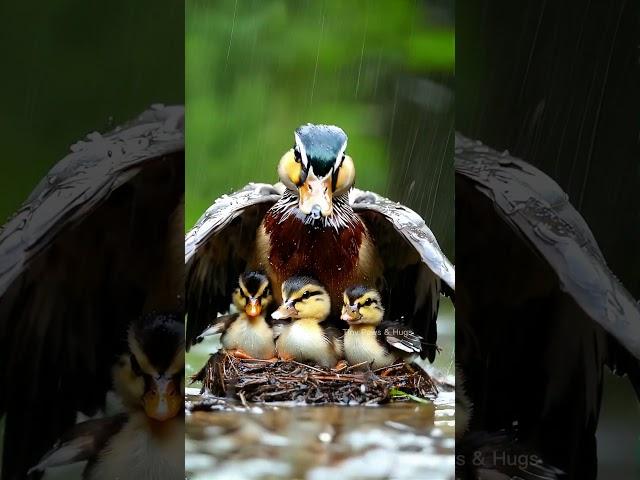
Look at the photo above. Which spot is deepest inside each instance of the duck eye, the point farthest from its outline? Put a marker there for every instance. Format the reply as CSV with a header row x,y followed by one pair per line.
x,y
135,366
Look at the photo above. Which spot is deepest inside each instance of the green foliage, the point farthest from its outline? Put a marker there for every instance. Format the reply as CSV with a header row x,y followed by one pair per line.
x,y
255,70
402,395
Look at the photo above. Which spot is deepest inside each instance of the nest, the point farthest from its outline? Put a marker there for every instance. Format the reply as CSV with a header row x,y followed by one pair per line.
x,y
265,381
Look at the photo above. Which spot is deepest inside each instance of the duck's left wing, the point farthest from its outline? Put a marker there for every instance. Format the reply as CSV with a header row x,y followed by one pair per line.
x,y
414,264
217,250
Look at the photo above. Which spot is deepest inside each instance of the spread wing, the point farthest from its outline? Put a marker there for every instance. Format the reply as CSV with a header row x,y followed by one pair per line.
x,y
414,265
217,250
539,212
76,265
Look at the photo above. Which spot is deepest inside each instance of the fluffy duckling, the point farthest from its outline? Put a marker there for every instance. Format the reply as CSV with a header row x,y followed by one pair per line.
x,y
247,334
370,338
306,302
146,441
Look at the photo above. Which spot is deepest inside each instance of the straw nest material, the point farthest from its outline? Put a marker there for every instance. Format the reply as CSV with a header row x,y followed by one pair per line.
x,y
265,381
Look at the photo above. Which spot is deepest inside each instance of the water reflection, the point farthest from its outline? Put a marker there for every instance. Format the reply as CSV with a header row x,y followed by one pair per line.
x,y
404,441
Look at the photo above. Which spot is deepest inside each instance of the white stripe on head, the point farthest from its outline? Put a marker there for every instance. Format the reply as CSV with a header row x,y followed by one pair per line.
x,y
303,151
338,163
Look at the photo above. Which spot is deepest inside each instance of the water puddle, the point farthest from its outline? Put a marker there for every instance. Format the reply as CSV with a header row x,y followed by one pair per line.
x,y
406,440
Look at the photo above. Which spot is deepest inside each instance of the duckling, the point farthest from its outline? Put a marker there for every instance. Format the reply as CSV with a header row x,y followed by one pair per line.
x,y
307,303
370,338
145,441
247,334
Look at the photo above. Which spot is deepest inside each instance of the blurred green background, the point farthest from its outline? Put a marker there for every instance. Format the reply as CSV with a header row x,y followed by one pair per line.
x,y
256,70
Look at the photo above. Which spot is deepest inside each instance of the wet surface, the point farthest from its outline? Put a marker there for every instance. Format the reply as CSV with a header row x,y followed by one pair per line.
x,y
406,440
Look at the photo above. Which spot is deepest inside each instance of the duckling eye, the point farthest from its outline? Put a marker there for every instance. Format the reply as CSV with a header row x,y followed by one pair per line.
x,y
368,302
135,366
307,294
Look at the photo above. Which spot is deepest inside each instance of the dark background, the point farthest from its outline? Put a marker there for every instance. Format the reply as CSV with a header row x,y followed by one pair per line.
x,y
557,84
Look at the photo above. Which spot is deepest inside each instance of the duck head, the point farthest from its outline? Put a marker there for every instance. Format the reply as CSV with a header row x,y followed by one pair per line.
x,y
362,306
151,376
317,169
303,297
253,294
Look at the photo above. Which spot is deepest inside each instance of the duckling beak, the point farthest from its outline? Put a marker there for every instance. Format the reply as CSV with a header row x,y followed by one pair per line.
x,y
162,400
350,314
316,196
253,308
286,310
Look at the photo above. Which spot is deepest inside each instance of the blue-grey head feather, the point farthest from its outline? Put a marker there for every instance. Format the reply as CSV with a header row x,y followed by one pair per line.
x,y
322,144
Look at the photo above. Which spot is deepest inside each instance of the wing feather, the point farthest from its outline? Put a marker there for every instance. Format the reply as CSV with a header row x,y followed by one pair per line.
x,y
401,337
537,209
411,227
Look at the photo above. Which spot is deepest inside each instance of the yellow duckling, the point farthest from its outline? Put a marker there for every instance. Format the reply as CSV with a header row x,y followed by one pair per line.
x,y
246,334
307,303
370,338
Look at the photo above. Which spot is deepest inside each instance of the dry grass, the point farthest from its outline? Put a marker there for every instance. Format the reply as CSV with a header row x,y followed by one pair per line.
x,y
264,381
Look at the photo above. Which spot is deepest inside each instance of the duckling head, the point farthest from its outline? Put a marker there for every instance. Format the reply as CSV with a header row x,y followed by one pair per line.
x,y
151,376
303,297
253,294
317,169
362,306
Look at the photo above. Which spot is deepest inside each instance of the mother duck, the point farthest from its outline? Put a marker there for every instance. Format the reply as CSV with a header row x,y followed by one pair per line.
x,y
315,223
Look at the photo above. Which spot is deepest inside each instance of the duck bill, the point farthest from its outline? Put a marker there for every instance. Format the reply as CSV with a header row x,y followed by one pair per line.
x,y
351,316
253,308
316,196
162,400
286,310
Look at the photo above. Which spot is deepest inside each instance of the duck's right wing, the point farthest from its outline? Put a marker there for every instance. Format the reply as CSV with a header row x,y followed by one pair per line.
x,y
537,210
217,250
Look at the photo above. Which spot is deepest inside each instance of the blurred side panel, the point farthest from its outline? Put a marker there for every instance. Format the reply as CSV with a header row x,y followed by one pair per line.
x,y
547,228
92,186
